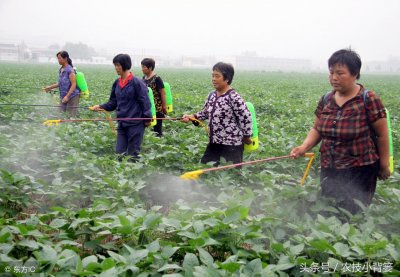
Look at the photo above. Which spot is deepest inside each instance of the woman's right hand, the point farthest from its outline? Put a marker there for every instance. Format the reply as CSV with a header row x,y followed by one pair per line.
x,y
46,89
186,118
384,171
297,152
95,108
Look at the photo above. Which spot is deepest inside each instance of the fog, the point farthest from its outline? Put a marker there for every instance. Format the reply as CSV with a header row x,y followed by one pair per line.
x,y
304,29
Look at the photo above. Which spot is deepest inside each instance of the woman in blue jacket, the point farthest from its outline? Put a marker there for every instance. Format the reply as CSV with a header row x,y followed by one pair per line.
x,y
130,100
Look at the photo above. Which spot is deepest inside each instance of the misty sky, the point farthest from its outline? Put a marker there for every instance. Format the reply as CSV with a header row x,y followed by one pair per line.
x,y
311,29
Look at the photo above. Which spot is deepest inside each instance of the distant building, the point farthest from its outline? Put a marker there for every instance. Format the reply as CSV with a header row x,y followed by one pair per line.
x,y
199,62
101,60
391,65
9,52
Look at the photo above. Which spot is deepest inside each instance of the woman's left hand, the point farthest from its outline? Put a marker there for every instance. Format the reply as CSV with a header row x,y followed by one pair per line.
x,y
384,172
65,100
247,140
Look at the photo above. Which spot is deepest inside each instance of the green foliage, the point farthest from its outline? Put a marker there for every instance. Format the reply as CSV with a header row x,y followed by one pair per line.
x,y
69,207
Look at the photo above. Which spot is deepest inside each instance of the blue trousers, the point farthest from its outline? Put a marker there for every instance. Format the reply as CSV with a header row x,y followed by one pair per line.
x,y
129,139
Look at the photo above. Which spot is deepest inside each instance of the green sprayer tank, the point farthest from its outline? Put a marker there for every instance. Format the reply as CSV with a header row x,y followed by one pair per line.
x,y
168,96
391,162
254,145
153,107
82,84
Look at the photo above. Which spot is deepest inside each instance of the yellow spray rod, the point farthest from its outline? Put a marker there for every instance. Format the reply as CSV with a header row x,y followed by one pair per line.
x,y
194,175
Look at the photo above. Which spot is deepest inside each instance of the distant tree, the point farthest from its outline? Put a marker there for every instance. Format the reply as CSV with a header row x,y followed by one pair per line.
x,y
54,47
79,50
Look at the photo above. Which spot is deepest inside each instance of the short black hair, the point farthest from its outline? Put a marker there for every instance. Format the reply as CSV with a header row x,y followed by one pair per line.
x,y
124,60
149,63
226,69
65,55
347,57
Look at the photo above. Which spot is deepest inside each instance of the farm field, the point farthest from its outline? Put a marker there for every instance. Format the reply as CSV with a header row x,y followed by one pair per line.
x,y
68,207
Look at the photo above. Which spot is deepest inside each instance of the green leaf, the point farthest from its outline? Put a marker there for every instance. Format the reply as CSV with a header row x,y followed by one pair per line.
x,y
47,254
168,251
296,249
190,260
31,244
151,221
58,223
231,266
89,259
5,237
322,245
170,267
109,272
154,246
334,264
254,267
107,264
205,257
22,229
284,263
198,227
278,247
342,249
123,220
172,223
118,258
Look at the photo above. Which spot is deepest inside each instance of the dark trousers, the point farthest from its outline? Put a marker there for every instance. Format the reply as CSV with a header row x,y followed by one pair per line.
x,y
158,127
345,185
70,106
231,153
129,139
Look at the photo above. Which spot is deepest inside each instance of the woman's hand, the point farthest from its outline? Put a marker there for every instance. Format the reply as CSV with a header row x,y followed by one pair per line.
x,y
95,108
297,152
186,118
384,172
247,140
164,109
65,99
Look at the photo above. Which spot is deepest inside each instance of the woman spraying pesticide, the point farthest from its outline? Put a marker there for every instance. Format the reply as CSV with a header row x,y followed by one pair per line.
x,y
229,120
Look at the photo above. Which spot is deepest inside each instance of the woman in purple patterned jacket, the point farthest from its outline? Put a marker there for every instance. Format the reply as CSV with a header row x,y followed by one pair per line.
x,y
229,120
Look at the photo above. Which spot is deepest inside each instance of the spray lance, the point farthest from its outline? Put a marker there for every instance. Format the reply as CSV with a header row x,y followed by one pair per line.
x,y
194,175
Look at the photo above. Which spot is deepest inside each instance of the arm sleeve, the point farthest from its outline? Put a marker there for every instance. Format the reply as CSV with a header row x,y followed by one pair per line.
x,y
159,83
375,107
319,108
142,98
242,114
112,102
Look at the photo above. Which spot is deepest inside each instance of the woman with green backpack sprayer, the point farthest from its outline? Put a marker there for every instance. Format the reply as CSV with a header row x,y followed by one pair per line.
x,y
129,97
229,119
155,83
69,92
352,126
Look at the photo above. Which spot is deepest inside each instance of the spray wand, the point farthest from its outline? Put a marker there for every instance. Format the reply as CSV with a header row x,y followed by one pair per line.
x,y
194,175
